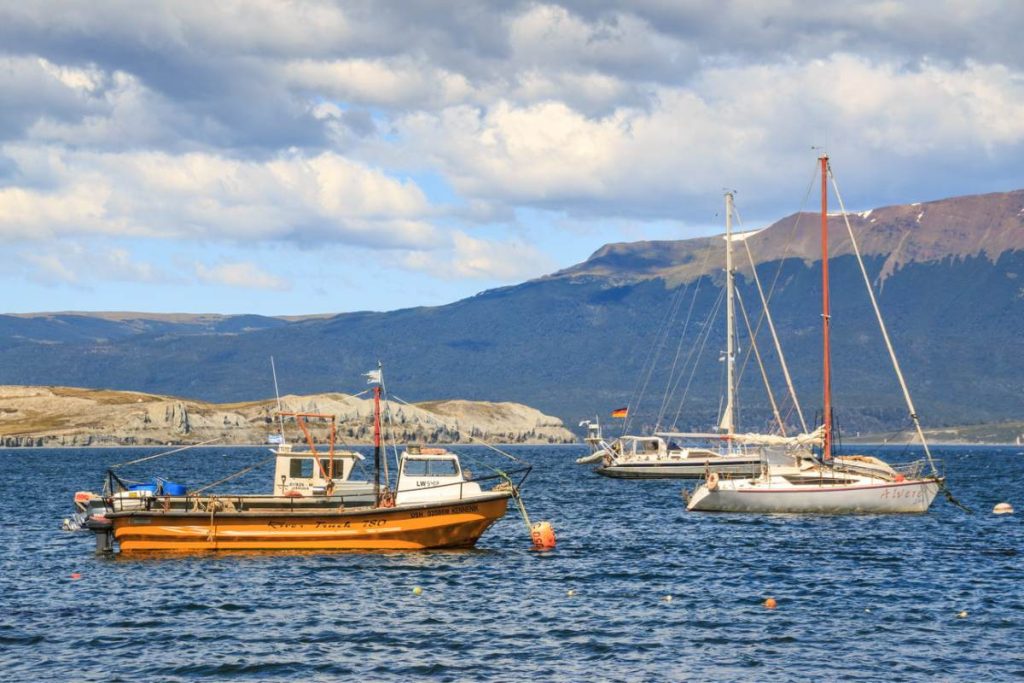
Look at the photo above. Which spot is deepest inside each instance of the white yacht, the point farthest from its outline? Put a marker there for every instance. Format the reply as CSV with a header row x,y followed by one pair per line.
x,y
690,455
831,484
662,457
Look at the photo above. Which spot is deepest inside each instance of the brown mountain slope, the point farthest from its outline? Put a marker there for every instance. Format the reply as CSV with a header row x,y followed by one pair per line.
x,y
987,224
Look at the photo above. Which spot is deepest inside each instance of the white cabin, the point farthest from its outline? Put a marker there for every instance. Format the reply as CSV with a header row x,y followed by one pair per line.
x,y
302,473
430,475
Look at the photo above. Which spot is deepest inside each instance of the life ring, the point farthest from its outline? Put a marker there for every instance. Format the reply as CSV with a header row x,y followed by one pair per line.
x,y
712,481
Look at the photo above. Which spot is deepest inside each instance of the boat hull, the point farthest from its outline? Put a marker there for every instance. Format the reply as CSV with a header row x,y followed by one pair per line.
x,y
877,498
453,524
682,469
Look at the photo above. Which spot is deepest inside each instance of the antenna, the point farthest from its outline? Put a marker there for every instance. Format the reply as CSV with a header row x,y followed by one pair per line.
x,y
277,395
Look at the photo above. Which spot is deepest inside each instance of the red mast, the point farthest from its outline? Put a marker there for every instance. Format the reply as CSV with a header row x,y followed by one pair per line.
x,y
376,442
826,451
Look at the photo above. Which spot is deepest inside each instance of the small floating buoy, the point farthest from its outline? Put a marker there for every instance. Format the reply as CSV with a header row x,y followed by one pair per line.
x,y
417,591
769,603
962,614
75,576
667,598
570,592
1002,509
542,535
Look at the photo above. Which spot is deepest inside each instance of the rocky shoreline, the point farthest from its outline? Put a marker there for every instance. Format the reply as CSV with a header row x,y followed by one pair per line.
x,y
32,416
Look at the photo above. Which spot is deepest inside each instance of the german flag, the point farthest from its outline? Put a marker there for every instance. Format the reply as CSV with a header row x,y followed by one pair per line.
x,y
620,412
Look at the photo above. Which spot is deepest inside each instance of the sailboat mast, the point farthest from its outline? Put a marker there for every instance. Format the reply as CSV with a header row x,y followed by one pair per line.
x,y
826,317
728,421
376,443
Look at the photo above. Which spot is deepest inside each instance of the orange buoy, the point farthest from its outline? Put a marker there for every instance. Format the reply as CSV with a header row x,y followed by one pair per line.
x,y
769,603
1002,509
75,576
542,535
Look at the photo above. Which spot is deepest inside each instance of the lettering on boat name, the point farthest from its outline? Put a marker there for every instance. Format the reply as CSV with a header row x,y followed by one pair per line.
x,y
903,492
322,524
443,511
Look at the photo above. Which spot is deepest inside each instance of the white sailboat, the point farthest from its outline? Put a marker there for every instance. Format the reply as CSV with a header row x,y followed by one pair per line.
x,y
845,484
689,455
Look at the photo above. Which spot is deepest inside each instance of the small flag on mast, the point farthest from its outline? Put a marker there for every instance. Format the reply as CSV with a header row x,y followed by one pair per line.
x,y
373,377
620,412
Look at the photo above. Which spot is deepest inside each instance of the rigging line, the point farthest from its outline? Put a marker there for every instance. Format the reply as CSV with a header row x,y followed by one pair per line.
x,y
764,308
677,304
764,374
651,361
232,476
882,327
695,354
699,352
792,233
723,380
669,388
391,424
160,455
775,338
643,377
481,441
702,338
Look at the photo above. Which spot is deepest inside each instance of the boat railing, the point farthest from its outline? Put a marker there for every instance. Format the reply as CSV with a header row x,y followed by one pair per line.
x,y
499,476
234,502
917,469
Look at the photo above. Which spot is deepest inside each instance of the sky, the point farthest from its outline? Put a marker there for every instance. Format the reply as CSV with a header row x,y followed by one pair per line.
x,y
287,158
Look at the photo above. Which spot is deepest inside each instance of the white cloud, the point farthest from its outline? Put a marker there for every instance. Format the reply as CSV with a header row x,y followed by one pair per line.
x,y
211,197
736,125
399,82
244,275
383,125
81,265
471,258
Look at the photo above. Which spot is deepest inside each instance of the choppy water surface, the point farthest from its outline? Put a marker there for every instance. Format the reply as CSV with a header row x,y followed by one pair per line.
x,y
861,598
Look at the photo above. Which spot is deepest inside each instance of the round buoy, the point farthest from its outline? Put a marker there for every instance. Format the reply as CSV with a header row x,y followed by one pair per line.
x,y
543,535
1002,509
962,615
769,603
417,591
75,576
712,481
667,598
570,592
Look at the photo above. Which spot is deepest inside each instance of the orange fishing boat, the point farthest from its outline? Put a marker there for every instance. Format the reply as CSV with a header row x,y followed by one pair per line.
x,y
434,503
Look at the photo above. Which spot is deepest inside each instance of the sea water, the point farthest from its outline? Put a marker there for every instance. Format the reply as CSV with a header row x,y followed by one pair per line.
x,y
932,596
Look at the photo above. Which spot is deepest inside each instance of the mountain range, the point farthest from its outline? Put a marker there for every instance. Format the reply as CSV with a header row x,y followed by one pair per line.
x,y
625,327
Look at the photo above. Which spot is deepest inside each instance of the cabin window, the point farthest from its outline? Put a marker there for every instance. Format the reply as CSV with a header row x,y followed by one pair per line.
x,y
301,468
431,468
325,463
415,468
442,468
